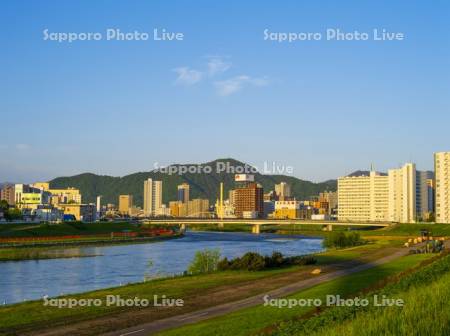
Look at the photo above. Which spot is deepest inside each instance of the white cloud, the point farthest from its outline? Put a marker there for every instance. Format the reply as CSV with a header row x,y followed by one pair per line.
x,y
187,76
235,84
217,65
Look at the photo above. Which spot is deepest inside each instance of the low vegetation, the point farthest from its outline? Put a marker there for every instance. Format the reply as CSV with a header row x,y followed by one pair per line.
x,y
342,240
255,262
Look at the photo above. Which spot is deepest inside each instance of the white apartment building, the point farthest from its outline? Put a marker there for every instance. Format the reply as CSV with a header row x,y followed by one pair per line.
x,y
363,198
152,197
442,196
402,194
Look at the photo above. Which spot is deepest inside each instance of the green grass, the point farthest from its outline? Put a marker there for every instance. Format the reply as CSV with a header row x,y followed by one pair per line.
x,y
33,314
15,254
426,312
251,320
413,230
426,295
67,228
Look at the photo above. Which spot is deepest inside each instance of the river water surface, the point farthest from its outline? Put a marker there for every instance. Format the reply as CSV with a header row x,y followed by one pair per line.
x,y
122,264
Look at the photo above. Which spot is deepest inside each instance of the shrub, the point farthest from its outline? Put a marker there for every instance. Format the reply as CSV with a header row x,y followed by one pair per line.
x,y
255,262
342,239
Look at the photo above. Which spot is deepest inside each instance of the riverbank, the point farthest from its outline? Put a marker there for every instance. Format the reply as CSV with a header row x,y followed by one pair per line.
x,y
198,292
47,250
396,231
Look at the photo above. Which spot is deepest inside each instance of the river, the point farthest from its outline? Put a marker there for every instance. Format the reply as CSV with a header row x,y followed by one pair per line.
x,y
121,264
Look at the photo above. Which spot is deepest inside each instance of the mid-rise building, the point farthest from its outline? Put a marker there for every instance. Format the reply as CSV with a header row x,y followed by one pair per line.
x,y
81,212
60,195
287,209
152,197
125,204
249,198
183,193
442,178
363,198
7,193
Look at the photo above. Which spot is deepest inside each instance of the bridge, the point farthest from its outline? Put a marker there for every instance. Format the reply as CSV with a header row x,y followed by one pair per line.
x,y
257,223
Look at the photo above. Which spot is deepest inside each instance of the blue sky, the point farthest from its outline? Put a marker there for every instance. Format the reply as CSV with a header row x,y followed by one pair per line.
x,y
325,108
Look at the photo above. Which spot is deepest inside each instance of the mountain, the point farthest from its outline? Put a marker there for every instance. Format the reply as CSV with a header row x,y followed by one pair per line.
x,y
203,183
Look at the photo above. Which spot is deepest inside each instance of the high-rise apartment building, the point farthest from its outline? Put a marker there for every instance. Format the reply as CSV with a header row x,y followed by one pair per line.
x,y
442,178
183,193
402,194
363,198
283,191
424,195
125,204
152,197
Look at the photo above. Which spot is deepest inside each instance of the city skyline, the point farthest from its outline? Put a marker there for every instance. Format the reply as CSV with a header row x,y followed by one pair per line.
x,y
117,107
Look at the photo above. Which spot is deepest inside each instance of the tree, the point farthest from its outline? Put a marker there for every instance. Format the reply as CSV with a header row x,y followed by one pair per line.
x,y
13,213
205,261
4,206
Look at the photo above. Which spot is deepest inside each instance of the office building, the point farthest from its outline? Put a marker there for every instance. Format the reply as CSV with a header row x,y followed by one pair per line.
x,y
152,197
442,193
125,204
183,193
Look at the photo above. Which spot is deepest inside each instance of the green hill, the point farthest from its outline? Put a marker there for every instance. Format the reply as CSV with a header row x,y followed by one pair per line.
x,y
203,185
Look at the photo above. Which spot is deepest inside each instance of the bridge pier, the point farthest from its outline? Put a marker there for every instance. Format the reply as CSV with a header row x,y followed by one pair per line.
x,y
256,228
182,228
220,225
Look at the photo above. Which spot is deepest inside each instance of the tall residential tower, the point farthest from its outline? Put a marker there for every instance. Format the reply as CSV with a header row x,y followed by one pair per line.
x,y
152,197
442,176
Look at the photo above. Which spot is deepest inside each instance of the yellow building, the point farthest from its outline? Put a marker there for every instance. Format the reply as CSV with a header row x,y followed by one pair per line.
x,y
81,212
287,210
195,208
363,198
68,195
125,204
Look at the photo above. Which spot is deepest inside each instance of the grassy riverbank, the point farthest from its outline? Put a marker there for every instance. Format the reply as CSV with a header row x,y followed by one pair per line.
x,y
72,234
16,254
198,292
250,321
